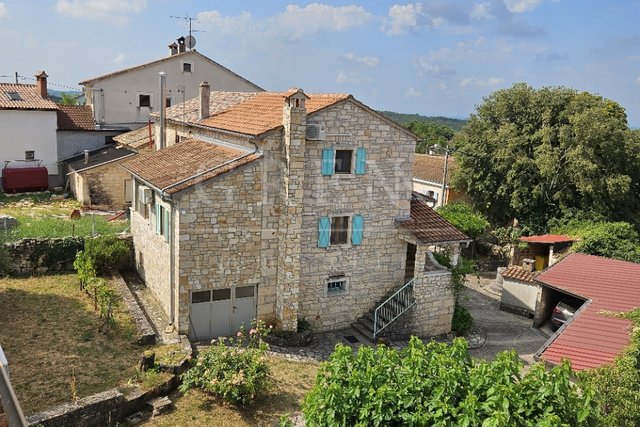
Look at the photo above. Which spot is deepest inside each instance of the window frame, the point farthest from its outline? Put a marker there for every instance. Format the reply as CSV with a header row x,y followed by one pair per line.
x,y
339,231
146,94
185,63
335,161
343,289
30,155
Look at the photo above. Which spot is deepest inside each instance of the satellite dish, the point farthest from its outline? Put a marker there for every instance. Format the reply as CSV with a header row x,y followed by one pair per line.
x,y
190,42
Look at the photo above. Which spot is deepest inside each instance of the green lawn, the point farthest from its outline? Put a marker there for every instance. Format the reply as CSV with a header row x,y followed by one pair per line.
x,y
49,333
46,218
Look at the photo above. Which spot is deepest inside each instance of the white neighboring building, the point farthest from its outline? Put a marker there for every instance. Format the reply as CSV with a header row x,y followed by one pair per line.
x,y
28,123
125,98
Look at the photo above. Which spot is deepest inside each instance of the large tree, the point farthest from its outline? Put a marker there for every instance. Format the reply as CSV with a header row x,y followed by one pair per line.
x,y
537,154
432,134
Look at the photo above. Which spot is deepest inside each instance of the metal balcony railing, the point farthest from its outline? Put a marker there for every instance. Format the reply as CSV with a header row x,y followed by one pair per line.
x,y
393,307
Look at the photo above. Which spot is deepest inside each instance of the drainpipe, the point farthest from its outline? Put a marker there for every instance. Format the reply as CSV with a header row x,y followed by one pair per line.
x,y
444,177
163,108
172,266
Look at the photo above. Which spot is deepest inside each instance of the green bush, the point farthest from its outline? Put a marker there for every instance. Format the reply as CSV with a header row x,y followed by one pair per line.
x,y
233,369
439,385
462,320
107,253
464,218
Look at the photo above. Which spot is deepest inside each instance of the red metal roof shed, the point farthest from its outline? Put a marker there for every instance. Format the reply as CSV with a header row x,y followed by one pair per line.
x,y
549,239
592,339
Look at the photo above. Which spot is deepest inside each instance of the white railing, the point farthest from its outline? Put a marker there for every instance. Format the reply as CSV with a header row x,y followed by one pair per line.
x,y
8,399
401,301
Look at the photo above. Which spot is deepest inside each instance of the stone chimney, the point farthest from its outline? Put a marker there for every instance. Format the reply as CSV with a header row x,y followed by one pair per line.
x,y
181,46
41,83
205,94
294,121
173,48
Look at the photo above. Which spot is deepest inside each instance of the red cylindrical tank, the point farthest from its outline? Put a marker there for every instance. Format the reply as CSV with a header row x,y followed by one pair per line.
x,y
18,180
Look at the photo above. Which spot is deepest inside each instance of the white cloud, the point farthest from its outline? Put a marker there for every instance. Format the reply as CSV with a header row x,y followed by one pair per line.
x,y
116,11
369,61
341,77
292,24
403,18
3,10
119,59
478,82
412,93
520,6
481,11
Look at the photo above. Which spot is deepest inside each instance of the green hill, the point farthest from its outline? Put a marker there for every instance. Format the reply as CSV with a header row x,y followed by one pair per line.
x,y
403,119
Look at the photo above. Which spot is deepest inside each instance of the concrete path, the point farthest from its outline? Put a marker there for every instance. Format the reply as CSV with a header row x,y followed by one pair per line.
x,y
502,330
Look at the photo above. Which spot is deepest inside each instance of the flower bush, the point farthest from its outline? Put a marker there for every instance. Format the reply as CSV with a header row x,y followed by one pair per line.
x,y
233,369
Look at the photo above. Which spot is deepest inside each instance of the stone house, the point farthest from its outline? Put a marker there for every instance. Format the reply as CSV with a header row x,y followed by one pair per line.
x,y
288,206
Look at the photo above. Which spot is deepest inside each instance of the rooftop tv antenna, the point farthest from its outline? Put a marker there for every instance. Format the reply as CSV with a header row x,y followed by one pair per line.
x,y
189,41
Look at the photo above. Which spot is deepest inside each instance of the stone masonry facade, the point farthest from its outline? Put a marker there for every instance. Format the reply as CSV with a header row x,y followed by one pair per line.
x,y
103,185
258,225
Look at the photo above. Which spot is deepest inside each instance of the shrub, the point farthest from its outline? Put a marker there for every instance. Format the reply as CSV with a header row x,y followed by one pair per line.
x,y
107,253
436,384
234,369
466,219
462,320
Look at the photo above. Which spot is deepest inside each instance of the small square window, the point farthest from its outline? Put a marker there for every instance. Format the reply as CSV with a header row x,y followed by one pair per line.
x,y
30,155
144,100
167,102
343,161
187,67
339,230
336,285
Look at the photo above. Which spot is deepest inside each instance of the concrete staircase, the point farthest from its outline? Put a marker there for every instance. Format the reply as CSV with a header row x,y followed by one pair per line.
x,y
385,312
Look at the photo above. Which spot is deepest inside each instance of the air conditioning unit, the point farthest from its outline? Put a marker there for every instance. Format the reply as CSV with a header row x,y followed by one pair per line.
x,y
316,131
145,194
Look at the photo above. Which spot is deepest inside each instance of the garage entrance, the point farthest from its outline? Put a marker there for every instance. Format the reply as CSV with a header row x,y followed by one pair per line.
x,y
221,312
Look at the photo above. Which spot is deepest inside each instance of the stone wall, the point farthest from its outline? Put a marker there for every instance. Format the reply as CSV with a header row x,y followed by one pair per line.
x,y
102,185
382,194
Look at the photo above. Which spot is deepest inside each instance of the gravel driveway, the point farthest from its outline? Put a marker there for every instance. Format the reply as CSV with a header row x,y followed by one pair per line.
x,y
494,330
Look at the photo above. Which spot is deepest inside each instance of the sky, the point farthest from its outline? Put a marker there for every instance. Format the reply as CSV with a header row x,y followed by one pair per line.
x,y
436,57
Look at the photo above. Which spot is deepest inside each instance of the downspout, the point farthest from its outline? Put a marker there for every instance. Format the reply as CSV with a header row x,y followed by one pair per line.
x,y
444,177
172,266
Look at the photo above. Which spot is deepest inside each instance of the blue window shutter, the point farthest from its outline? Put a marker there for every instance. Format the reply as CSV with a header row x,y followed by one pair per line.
x,y
327,161
324,232
158,218
361,160
357,227
165,217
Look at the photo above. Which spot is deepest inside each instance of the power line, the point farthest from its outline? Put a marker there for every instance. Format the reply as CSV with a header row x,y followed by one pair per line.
x,y
74,88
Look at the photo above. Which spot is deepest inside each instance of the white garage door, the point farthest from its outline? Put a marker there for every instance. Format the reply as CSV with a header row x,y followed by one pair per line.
x,y
221,312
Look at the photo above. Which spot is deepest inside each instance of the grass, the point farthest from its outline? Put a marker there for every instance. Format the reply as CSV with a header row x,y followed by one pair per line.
x,y
49,333
40,217
291,381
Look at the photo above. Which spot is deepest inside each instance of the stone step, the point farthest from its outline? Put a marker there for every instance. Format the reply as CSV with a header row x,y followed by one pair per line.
x,y
363,330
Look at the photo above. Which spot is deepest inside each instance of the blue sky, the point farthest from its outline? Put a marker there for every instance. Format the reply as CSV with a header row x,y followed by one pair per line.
x,y
432,57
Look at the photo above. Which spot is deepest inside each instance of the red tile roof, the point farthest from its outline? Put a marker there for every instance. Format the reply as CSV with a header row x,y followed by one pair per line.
x,y
135,139
548,239
30,98
75,117
187,163
427,226
517,272
592,339
263,111
431,168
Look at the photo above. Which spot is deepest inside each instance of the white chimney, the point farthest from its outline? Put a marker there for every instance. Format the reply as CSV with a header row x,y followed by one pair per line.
x,y
205,94
173,48
86,156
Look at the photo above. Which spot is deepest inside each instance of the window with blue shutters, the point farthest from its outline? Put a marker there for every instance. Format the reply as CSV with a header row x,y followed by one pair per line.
x,y
361,161
357,227
324,232
327,161
162,221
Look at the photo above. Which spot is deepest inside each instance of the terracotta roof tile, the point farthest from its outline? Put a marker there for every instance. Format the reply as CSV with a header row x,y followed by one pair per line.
x,y
263,112
75,117
431,168
428,226
547,239
592,339
185,164
518,272
30,98
187,112
135,139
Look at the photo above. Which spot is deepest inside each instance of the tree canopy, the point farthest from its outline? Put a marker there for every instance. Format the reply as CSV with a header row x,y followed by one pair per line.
x,y
538,154
464,218
431,133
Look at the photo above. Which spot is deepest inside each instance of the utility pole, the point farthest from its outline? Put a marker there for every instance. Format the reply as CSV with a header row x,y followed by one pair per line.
x,y
444,177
